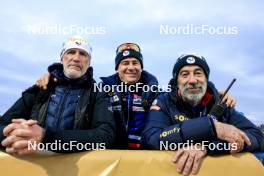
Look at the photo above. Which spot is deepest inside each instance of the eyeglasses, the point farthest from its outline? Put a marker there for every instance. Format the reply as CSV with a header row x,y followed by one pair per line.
x,y
125,46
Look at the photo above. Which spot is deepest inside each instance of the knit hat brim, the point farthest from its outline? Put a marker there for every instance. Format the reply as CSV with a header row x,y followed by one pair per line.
x,y
78,43
190,60
126,54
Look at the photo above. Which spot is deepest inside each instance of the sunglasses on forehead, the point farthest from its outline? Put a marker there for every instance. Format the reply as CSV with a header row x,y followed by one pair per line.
x,y
191,55
125,46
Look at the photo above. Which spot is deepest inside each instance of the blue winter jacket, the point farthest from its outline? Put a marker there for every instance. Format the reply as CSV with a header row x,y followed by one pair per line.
x,y
177,122
122,115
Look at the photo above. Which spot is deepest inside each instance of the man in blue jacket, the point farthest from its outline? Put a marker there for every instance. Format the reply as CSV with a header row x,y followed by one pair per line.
x,y
133,91
190,114
68,116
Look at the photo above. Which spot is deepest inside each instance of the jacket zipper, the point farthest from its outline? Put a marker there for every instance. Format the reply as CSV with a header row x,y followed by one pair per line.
x,y
59,115
128,110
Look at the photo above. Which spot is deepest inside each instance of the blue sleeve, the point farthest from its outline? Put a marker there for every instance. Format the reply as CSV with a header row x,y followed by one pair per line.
x,y
160,130
241,122
254,134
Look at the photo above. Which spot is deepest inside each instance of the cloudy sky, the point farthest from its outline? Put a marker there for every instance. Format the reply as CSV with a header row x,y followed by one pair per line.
x,y
229,34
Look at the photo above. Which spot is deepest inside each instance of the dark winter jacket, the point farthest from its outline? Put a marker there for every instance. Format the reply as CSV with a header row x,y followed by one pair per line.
x,y
177,122
89,121
130,109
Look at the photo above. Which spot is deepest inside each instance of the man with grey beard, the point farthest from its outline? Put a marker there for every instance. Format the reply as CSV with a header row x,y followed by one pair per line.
x,y
191,114
69,111
193,98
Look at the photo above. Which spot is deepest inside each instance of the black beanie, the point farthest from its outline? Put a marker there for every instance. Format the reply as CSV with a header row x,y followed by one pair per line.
x,y
190,59
128,53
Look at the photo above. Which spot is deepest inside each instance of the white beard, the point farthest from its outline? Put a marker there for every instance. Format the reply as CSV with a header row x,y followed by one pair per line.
x,y
193,99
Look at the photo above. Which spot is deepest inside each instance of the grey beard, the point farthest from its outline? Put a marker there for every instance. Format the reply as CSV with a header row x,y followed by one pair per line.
x,y
68,75
193,99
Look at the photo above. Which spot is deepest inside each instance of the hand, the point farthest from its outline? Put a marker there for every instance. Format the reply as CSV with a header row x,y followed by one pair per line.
x,y
19,133
22,147
189,160
232,135
155,107
44,80
16,124
19,144
11,139
228,99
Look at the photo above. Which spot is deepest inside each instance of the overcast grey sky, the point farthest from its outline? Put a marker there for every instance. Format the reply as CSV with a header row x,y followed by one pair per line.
x,y
229,34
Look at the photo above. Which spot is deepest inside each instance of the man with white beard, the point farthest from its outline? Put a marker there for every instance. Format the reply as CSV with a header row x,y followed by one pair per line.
x,y
69,111
191,112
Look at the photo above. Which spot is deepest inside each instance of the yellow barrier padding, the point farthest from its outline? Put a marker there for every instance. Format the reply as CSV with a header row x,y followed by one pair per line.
x,y
123,163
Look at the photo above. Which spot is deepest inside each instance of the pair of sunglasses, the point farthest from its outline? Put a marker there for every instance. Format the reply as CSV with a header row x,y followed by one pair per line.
x,y
125,46
191,55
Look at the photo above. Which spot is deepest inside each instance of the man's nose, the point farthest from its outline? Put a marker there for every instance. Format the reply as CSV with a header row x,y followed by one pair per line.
x,y
130,66
76,57
192,79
